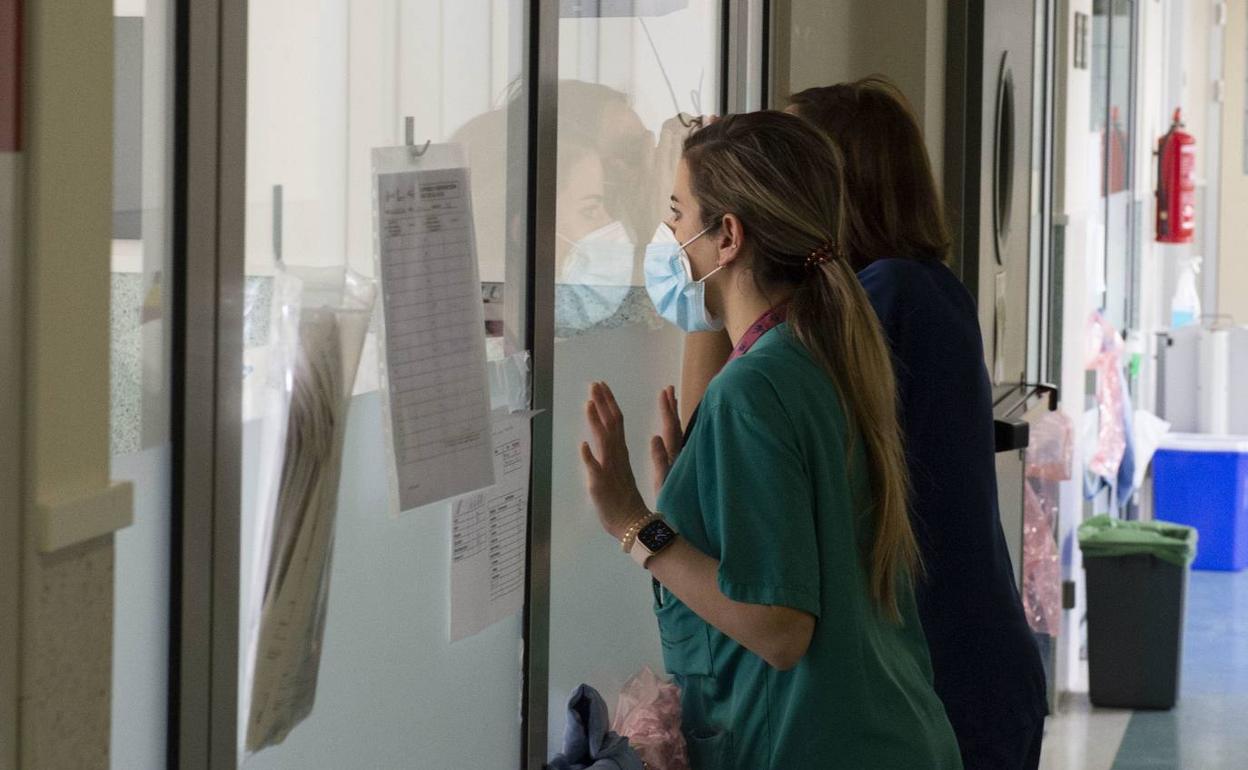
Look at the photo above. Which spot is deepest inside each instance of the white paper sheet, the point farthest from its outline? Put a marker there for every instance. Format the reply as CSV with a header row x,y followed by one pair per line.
x,y
488,536
434,332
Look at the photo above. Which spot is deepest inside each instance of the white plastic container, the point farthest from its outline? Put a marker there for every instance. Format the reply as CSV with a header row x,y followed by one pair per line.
x,y
1185,305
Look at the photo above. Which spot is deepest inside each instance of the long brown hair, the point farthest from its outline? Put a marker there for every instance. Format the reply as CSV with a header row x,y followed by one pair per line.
x,y
894,209
783,179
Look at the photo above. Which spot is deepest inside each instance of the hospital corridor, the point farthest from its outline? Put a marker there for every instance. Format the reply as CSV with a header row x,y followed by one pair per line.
x,y
623,384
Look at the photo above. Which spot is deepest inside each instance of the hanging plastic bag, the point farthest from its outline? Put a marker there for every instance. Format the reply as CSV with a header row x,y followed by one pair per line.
x,y
1042,569
321,317
1103,354
1051,447
648,713
1048,464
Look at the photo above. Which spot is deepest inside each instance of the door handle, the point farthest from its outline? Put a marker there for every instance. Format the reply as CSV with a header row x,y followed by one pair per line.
x,y
1010,434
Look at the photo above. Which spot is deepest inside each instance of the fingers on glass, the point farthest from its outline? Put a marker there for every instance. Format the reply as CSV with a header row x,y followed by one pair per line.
x,y
594,417
608,401
659,453
587,456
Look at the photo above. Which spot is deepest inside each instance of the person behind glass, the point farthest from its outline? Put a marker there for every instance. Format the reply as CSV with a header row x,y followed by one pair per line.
x,y
781,550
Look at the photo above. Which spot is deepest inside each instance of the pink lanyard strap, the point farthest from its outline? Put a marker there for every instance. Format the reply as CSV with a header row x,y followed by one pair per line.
x,y
765,323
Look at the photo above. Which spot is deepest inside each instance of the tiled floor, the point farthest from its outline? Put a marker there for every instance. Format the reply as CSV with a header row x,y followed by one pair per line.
x,y
1207,730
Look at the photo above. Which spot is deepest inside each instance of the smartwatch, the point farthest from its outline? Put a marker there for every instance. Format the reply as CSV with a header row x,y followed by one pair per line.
x,y
653,537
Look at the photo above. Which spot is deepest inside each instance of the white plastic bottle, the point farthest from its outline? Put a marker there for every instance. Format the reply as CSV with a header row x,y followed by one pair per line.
x,y
1185,306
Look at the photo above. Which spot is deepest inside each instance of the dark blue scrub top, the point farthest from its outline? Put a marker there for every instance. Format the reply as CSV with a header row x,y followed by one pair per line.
x,y
986,662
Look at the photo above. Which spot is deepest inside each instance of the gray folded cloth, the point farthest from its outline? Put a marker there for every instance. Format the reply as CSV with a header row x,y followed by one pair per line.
x,y
588,744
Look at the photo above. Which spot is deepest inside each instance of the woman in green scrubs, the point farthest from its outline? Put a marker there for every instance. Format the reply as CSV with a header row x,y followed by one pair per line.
x,y
781,550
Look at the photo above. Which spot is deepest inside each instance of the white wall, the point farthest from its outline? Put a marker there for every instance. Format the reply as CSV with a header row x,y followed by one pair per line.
x,y
1233,178
1195,64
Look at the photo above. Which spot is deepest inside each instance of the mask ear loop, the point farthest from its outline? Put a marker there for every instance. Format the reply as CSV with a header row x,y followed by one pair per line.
x,y
704,278
689,262
705,230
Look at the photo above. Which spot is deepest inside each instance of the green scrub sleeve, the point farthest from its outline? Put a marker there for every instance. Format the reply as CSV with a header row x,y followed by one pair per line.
x,y
755,494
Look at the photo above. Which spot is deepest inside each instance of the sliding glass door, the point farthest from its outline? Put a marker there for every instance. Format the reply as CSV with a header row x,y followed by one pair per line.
x,y
432,190
327,83
631,88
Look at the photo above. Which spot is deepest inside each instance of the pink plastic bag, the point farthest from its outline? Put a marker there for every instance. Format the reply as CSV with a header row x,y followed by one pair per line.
x,y
1049,454
1050,447
648,712
1103,353
1042,571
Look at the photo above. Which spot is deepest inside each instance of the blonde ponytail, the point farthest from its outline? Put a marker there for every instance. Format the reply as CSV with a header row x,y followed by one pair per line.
x,y
784,180
832,317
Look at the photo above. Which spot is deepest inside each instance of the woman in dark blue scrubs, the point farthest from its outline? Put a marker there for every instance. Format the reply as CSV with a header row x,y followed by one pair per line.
x,y
987,666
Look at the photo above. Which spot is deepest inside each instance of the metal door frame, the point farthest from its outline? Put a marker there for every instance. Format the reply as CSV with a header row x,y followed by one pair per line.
x,y
964,45
746,54
542,83
210,125
1044,290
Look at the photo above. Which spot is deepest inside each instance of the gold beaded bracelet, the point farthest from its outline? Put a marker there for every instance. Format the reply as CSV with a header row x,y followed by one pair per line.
x,y
630,534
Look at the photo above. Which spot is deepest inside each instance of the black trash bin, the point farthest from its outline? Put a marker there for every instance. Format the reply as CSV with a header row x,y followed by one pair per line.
x,y
1136,587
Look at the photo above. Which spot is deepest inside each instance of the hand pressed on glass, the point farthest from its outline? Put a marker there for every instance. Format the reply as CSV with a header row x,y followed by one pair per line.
x,y
609,473
665,447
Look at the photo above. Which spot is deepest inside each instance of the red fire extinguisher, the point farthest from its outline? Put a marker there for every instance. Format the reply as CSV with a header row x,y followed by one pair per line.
x,y
1176,190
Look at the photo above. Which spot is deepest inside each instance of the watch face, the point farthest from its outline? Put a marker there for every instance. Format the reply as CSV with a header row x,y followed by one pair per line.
x,y
656,535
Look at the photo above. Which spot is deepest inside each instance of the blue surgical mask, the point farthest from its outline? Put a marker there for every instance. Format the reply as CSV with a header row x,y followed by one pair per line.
x,y
669,281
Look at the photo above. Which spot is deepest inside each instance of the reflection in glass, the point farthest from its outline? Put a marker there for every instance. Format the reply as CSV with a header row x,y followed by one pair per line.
x,y
328,82
621,127
620,135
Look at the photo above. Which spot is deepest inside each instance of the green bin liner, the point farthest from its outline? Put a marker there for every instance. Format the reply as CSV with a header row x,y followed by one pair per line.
x,y
1106,536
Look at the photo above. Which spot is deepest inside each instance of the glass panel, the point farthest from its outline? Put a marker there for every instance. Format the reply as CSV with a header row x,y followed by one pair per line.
x,y
624,77
1111,232
1121,257
1098,172
392,690
140,372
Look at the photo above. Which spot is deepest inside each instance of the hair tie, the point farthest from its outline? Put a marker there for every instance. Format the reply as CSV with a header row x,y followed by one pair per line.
x,y
821,255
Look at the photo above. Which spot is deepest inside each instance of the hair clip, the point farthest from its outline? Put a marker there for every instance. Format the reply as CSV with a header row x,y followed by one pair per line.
x,y
821,255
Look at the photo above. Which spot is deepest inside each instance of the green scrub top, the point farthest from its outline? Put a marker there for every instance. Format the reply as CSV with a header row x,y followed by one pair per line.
x,y
765,485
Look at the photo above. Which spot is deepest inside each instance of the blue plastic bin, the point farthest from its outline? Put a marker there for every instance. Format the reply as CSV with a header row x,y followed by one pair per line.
x,y
1202,481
